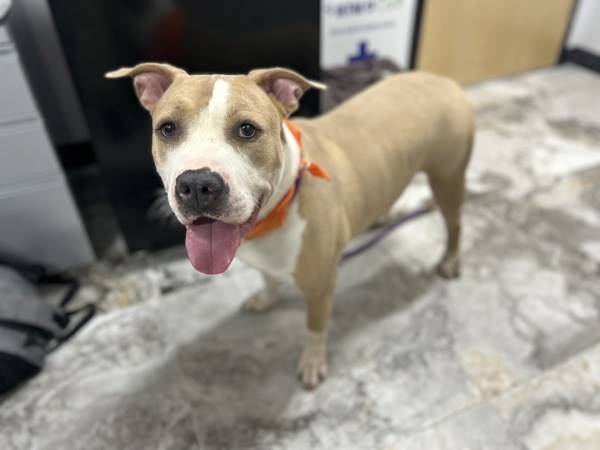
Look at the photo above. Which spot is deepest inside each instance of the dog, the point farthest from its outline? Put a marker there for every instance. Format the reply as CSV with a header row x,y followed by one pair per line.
x,y
287,197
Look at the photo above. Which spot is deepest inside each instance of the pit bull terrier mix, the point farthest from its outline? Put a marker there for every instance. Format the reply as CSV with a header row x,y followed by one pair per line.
x,y
231,163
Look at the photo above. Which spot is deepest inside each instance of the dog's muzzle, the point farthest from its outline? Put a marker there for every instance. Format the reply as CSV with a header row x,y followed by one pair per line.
x,y
201,192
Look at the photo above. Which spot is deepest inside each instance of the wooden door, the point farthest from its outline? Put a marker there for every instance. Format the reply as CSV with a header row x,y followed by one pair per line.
x,y
473,40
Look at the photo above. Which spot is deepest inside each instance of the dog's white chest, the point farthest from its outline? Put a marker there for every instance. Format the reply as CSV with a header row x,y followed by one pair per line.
x,y
276,253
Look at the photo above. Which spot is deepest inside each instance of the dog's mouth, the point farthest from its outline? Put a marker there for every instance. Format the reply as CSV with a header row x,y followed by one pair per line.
x,y
211,244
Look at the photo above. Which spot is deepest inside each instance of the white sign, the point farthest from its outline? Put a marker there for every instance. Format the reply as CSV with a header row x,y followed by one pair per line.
x,y
355,30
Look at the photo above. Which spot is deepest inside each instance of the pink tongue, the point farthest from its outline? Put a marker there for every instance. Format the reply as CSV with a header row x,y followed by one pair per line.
x,y
212,246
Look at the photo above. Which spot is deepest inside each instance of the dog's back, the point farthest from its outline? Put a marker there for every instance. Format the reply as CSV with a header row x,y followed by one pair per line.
x,y
384,135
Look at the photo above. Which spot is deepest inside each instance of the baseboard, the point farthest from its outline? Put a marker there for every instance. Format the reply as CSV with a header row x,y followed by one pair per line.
x,y
581,57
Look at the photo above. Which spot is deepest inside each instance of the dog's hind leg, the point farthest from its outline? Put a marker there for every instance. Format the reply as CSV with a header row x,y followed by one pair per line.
x,y
449,194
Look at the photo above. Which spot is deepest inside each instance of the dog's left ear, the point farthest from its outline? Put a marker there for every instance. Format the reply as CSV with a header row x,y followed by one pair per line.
x,y
284,85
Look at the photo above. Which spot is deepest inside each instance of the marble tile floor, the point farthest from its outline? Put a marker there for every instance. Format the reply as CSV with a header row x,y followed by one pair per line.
x,y
506,357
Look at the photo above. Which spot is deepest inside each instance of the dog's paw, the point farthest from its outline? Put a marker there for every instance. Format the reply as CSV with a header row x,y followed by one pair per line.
x,y
312,367
449,267
260,302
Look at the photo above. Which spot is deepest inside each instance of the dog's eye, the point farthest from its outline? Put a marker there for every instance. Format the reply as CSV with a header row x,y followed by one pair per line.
x,y
247,130
168,129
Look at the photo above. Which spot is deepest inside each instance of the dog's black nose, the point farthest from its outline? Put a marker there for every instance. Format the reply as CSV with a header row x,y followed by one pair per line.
x,y
200,191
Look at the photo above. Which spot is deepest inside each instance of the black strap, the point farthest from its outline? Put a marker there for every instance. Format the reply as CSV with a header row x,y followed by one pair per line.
x,y
86,312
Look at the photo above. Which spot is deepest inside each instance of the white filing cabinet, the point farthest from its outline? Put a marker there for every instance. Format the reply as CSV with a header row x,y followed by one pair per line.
x,y
39,221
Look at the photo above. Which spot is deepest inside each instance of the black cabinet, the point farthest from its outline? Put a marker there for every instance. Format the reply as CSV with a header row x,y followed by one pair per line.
x,y
200,36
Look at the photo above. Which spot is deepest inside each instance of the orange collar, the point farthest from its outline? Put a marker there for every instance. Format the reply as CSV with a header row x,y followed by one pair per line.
x,y
276,218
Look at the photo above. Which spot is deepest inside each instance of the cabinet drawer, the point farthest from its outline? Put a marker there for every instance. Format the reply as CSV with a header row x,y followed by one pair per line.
x,y
16,102
25,152
41,224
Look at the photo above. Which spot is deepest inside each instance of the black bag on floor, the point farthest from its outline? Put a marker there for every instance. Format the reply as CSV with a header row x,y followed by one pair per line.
x,y
30,328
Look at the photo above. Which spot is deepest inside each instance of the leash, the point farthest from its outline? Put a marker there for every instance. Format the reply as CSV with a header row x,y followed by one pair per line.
x,y
387,229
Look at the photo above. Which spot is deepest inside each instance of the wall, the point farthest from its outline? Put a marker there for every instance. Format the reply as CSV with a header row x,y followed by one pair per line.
x,y
585,29
474,40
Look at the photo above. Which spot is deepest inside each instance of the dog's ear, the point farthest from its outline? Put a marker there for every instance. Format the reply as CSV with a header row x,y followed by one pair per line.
x,y
284,85
150,80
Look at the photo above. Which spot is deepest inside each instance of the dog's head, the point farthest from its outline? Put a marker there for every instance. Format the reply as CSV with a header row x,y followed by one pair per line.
x,y
217,145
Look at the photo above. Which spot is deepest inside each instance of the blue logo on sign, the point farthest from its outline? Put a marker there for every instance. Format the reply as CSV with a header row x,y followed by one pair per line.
x,y
363,53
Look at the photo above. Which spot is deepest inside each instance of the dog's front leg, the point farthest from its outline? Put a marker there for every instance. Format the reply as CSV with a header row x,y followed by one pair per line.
x,y
265,298
312,367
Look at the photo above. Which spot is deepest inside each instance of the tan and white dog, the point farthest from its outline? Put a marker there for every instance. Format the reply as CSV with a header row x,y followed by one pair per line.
x,y
228,159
